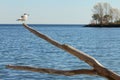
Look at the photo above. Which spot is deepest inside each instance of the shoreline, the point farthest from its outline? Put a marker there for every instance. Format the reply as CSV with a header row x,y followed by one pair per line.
x,y
104,25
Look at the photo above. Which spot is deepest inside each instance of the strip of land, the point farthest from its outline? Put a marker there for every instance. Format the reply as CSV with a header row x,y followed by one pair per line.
x,y
103,25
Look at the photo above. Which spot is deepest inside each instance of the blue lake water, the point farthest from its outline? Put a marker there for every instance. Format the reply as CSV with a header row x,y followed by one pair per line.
x,y
20,47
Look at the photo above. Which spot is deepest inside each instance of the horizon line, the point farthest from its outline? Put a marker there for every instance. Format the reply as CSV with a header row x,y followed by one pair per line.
x,y
37,24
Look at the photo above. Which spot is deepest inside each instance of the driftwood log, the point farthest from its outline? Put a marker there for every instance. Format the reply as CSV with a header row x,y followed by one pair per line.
x,y
98,69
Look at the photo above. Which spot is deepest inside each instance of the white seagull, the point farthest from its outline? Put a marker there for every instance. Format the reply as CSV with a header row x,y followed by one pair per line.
x,y
23,17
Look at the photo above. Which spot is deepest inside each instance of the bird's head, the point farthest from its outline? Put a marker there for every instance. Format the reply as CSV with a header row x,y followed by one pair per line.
x,y
26,14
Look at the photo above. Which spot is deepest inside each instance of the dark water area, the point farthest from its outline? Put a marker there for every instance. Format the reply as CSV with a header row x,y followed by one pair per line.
x,y
20,47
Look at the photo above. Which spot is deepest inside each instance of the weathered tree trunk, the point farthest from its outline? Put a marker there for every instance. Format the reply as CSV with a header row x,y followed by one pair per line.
x,y
98,69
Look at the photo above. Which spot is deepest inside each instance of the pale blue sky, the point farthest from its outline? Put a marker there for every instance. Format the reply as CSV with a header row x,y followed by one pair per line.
x,y
50,11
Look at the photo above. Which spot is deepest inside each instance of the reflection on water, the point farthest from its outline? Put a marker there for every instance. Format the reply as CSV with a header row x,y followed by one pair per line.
x,y
20,47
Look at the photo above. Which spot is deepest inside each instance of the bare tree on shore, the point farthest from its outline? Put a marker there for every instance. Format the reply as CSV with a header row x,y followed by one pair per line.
x,y
107,14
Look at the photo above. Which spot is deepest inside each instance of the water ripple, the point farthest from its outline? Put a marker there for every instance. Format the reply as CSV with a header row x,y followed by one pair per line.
x,y
18,46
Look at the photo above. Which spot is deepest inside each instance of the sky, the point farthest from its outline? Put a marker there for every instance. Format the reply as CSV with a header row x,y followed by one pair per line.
x,y
50,11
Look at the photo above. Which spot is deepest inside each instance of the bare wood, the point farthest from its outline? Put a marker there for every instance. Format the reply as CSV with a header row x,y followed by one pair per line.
x,y
98,68
54,71
85,57
48,39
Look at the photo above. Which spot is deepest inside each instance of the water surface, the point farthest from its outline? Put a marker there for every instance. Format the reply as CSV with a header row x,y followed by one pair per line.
x,y
20,47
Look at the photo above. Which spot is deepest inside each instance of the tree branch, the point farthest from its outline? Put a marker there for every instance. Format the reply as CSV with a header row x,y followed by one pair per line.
x,y
79,54
98,68
54,71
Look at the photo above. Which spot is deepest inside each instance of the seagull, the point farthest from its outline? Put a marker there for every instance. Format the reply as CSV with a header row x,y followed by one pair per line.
x,y
23,17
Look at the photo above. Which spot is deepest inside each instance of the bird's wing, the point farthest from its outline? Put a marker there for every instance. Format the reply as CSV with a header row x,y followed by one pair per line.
x,y
20,19
22,16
